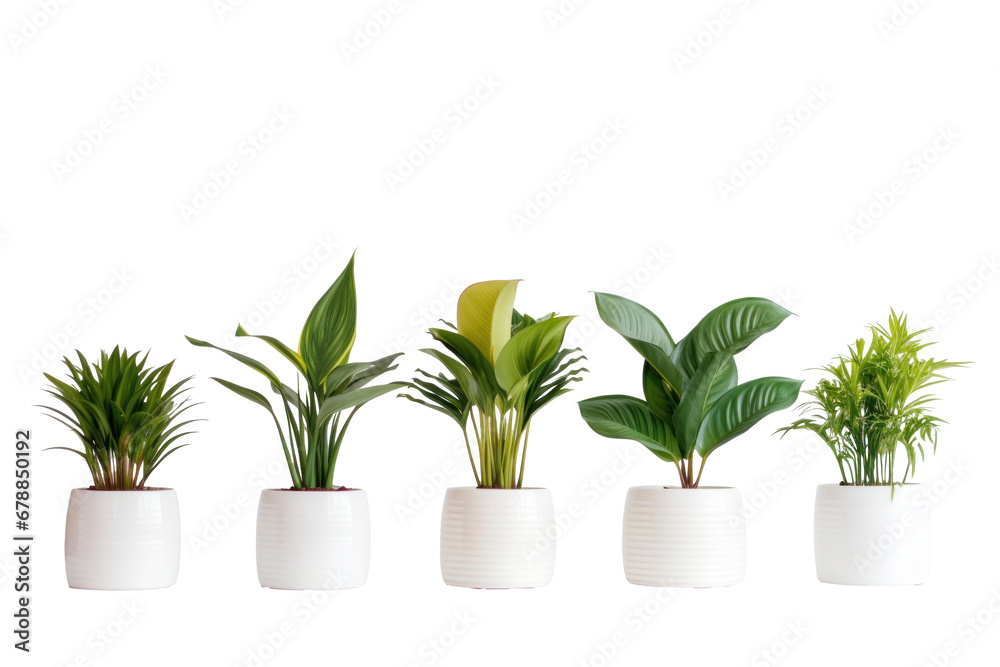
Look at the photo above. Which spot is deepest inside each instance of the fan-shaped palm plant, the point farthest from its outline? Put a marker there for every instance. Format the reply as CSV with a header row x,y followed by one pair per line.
x,y
873,403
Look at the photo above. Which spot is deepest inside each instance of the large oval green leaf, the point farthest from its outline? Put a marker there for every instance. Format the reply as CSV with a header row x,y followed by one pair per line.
x,y
328,334
713,379
660,400
644,332
741,407
730,328
530,348
633,321
628,418
684,357
485,311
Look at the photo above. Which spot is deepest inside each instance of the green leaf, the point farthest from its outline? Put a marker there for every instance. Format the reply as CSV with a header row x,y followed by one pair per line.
x,y
548,381
465,378
350,399
660,400
485,311
69,449
443,394
730,328
374,370
328,334
551,391
470,355
249,394
683,358
736,411
242,358
291,397
713,379
628,418
342,376
284,350
358,374
255,397
644,332
633,321
458,417
528,349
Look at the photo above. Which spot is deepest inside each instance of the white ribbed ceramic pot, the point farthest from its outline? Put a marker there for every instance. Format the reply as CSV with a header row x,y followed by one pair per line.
x,y
122,540
498,538
871,535
313,539
684,537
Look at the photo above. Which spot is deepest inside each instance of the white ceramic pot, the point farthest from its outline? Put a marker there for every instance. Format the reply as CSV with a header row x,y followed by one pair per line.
x,y
498,538
122,540
313,539
684,537
872,536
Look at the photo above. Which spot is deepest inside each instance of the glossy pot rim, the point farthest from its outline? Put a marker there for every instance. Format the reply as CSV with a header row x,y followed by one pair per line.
x,y
656,487
123,491
306,492
492,489
869,486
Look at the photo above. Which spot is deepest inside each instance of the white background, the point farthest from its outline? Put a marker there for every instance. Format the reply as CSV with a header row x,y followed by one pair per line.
x,y
642,215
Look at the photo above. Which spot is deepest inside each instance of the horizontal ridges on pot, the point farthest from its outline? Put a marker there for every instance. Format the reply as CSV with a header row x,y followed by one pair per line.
x,y
864,536
122,540
313,539
684,537
498,538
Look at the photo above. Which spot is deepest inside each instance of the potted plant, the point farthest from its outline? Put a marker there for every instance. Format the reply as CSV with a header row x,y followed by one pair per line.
x,y
503,368
872,407
120,533
690,535
315,535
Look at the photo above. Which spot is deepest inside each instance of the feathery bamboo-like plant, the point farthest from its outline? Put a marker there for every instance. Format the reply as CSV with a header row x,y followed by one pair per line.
x,y
506,367
314,426
123,413
693,404
873,403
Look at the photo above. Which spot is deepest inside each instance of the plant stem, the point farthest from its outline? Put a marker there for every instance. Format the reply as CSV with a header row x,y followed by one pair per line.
x,y
524,454
472,461
701,469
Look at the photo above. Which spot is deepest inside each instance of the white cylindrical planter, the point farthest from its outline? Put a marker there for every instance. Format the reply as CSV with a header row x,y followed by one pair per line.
x,y
122,540
498,538
872,535
684,537
313,539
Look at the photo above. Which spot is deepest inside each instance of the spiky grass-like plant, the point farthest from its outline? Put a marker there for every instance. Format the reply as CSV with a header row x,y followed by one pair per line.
x,y
506,367
873,403
123,413
314,427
